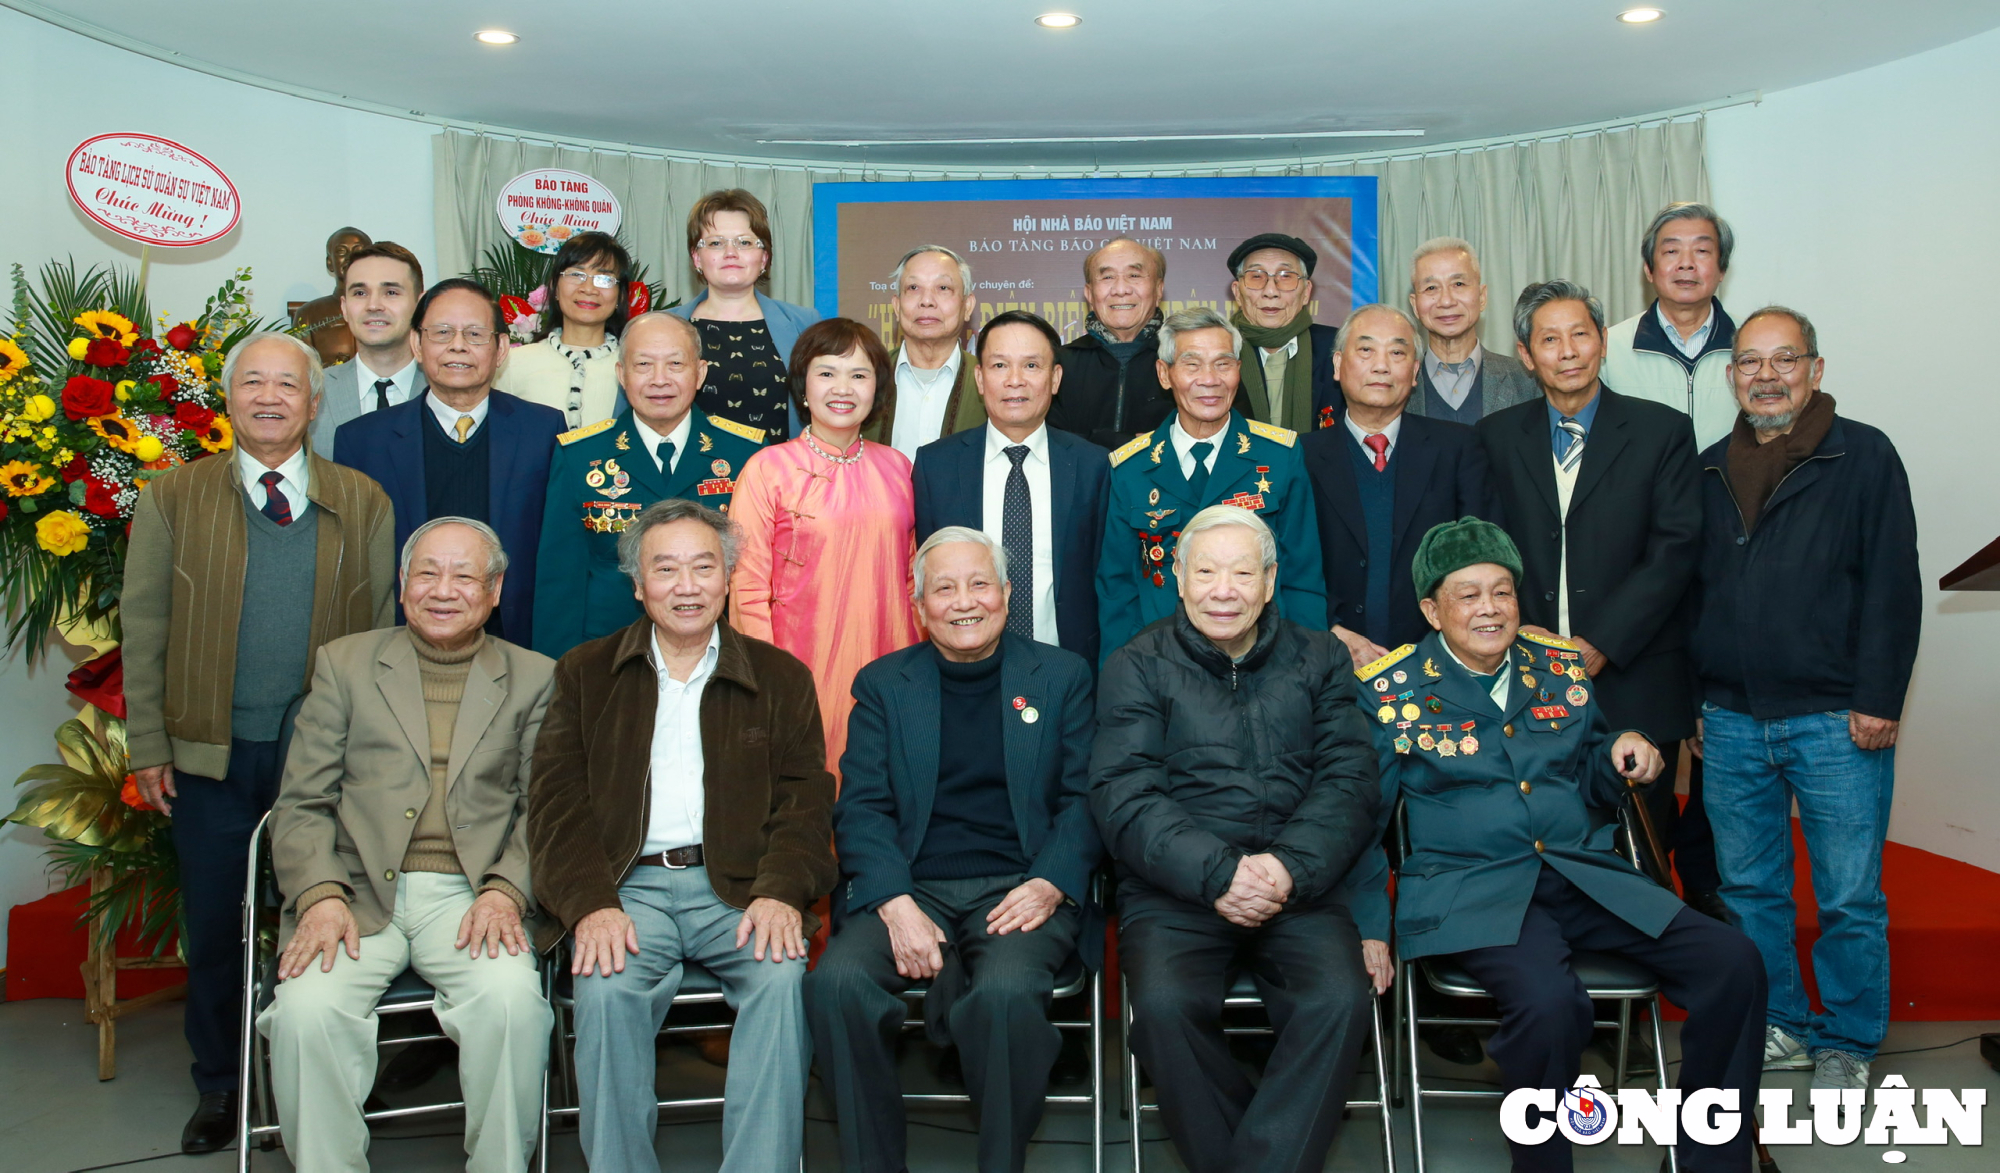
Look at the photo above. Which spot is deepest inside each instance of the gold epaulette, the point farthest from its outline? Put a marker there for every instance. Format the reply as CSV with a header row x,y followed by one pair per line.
x,y
754,435
1284,436
1548,641
584,432
1377,667
1133,447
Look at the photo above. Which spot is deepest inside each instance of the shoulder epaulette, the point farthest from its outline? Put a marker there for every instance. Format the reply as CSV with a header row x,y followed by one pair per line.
x,y
1377,667
585,432
1133,447
754,435
1548,641
1284,436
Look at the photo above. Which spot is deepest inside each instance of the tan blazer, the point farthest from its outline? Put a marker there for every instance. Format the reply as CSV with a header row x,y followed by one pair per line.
x,y
358,773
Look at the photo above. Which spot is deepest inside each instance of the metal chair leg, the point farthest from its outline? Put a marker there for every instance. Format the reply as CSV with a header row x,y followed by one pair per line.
x,y
1382,1085
1660,1073
1131,1076
1410,1055
246,1052
1097,1072
1624,1041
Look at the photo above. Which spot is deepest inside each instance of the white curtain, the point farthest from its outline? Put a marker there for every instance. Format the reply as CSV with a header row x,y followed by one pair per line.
x,y
1570,205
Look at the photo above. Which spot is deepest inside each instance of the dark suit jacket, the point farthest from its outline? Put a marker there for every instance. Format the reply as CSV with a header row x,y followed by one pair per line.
x,y
1634,523
949,482
889,775
1326,389
389,446
1440,475
1503,382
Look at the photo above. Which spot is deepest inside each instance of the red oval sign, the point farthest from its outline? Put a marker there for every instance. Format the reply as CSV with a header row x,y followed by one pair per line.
x,y
152,189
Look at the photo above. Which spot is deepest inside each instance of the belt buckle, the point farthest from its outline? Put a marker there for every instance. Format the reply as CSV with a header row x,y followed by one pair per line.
x,y
669,864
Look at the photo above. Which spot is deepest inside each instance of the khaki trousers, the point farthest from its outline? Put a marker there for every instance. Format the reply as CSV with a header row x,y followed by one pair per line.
x,y
322,1028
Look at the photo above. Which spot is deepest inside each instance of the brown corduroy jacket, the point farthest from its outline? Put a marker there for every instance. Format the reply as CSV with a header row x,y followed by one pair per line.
x,y
183,597
767,820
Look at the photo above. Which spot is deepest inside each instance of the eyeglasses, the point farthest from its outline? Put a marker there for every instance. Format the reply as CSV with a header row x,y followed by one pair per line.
x,y
578,277
741,244
1782,363
1284,279
475,336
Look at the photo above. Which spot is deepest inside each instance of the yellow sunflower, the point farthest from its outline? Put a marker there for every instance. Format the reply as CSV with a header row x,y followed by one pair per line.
x,y
13,360
117,431
62,533
24,478
218,437
105,324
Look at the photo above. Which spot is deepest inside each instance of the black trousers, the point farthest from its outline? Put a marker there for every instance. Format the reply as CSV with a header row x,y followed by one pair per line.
x,y
1711,970
212,824
1179,964
1693,844
999,1021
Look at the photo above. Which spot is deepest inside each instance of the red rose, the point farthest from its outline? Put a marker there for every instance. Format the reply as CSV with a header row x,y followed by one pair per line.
x,y
3,511
193,416
181,337
107,352
84,397
166,383
515,308
75,469
147,347
638,298
99,497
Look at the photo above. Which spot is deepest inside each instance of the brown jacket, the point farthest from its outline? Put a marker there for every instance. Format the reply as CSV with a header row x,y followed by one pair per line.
x,y
184,594
359,771
962,409
767,823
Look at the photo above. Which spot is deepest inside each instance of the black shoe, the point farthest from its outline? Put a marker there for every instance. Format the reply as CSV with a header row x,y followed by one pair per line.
x,y
213,1124
1453,1044
1709,904
416,1065
1638,1051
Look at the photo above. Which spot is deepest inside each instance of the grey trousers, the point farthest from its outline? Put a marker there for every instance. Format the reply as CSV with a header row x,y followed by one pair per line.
x,y
1000,1023
680,919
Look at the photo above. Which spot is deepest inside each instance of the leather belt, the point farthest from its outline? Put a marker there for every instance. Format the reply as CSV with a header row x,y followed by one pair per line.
x,y
677,858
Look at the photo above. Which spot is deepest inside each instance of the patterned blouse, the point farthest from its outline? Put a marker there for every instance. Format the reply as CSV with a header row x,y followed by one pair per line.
x,y
747,380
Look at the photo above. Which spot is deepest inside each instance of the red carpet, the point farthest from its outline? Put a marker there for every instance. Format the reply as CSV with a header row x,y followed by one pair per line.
x,y
45,949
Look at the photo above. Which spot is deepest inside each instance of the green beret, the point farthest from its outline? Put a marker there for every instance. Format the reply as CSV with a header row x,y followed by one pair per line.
x,y
1454,545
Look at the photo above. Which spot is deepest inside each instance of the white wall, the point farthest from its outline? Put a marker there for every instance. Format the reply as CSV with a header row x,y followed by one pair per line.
x,y
1867,203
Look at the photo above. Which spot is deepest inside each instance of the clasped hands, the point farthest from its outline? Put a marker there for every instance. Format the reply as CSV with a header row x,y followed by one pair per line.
x,y
1257,892
492,924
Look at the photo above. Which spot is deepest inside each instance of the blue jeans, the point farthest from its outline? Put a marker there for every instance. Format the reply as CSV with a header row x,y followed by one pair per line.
x,y
1754,771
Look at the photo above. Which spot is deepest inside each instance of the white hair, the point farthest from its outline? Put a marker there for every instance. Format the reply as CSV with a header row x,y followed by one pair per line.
x,y
1217,516
946,536
1443,244
1185,321
1340,336
315,371
964,267
496,554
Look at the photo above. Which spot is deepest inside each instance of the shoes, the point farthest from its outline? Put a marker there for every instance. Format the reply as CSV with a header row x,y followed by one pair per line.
x,y
1453,1044
213,1124
1709,904
416,1064
1782,1052
1839,1069
714,1047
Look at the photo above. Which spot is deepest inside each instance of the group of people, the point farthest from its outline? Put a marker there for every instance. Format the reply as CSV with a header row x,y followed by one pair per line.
x,y
653,643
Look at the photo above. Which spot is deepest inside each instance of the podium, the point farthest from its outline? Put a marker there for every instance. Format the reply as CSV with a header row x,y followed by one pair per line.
x,y
1981,572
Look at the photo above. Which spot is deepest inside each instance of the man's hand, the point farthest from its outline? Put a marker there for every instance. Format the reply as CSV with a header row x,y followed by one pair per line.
x,y
777,926
1646,760
914,939
1253,897
1694,743
1375,959
1593,660
1026,908
1363,649
601,942
1871,732
495,923
324,927
1275,871
156,786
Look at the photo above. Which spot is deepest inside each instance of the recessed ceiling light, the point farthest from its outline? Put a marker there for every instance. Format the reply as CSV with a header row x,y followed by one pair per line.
x,y
1640,15
495,37
1059,20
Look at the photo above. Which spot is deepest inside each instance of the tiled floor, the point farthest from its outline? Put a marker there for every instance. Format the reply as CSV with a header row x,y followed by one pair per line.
x,y
56,1118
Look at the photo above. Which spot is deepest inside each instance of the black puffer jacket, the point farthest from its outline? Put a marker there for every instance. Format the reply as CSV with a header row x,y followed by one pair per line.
x,y
1200,762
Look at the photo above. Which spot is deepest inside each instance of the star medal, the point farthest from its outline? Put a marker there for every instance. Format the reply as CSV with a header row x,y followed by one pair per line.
x,y
1402,745
1386,714
1578,695
1430,669
1425,741
1446,748
1401,676
1411,712
1577,673
1381,684
1263,483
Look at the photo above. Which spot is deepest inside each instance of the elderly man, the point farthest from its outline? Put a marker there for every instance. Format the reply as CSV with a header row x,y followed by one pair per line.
x,y
1207,454
379,288
679,816
1807,632
463,449
1109,393
1676,351
1287,357
1460,380
935,393
1499,754
400,841
966,846
1037,490
604,473
1234,785
240,568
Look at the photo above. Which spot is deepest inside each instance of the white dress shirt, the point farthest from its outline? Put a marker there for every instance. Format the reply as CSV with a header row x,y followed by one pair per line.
x,y
294,477
1692,344
921,397
1500,690
1361,435
405,382
651,439
673,818
1183,446
993,499
448,416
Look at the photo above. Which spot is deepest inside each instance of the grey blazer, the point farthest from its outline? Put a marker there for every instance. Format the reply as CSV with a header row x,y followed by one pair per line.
x,y
1503,382
343,402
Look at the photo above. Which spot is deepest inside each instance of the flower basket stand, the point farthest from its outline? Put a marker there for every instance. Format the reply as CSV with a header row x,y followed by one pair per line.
x,y
102,1006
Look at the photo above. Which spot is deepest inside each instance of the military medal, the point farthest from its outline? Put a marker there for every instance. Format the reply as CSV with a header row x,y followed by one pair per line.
x,y
594,478
1549,712
1528,679
1446,748
1578,695
1402,745
1401,676
1468,744
1425,741
1158,553
1381,684
1386,714
1263,483
1411,712
1577,673
719,467
1153,498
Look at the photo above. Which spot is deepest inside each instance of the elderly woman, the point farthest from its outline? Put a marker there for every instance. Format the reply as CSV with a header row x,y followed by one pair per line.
x,y
828,524
746,336
573,365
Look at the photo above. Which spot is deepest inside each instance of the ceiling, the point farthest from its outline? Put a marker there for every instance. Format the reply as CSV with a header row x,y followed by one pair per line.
x,y
717,77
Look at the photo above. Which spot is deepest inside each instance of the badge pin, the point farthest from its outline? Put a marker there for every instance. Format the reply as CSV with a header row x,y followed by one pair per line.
x,y
1401,676
1029,715
1578,695
1242,443
594,478
1020,702
611,466
1431,669
719,467
1433,704
624,443
1153,498
1528,679
1381,685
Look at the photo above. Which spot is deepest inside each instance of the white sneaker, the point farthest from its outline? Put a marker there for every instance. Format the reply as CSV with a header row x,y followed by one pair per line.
x,y
1782,1052
1836,1069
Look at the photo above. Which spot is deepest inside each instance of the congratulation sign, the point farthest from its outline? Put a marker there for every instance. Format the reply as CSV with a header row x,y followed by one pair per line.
x,y
152,190
542,209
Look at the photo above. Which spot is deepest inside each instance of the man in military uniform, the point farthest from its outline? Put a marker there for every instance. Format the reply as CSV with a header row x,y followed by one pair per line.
x,y
605,473
1493,740
1204,455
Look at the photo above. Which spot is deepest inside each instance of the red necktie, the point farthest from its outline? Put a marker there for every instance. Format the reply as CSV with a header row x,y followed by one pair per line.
x,y
276,507
1379,445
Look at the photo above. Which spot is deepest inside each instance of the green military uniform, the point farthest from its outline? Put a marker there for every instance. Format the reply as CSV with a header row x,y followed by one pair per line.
x,y
600,479
1257,466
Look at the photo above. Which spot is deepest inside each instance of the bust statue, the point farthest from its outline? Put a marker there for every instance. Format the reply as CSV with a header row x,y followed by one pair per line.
x,y
326,330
